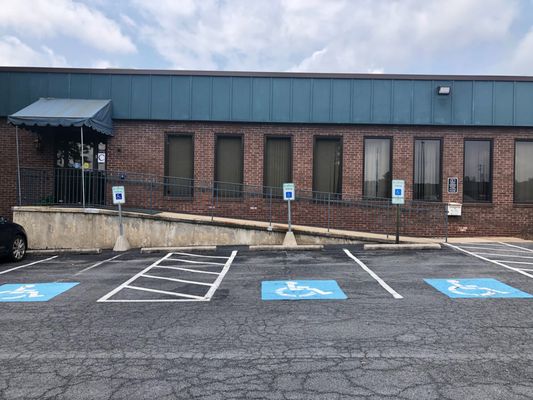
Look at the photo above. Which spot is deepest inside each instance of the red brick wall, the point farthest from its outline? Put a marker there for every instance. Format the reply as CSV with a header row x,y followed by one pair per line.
x,y
138,146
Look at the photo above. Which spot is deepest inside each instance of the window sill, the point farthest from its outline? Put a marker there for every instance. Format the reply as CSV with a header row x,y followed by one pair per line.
x,y
523,205
178,198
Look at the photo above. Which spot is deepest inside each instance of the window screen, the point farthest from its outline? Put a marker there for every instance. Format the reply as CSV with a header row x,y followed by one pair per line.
x,y
377,168
477,181
229,166
523,173
277,164
427,170
327,165
179,166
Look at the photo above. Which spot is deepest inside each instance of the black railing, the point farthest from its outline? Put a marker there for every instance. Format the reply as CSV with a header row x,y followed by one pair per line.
x,y
152,193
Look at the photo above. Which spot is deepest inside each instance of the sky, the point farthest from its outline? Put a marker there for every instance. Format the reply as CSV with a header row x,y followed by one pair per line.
x,y
481,37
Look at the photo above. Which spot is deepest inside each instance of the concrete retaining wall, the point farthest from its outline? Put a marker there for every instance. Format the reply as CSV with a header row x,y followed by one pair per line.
x,y
67,228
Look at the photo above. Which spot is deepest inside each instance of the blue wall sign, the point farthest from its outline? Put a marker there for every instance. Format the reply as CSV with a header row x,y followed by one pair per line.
x,y
13,292
301,290
479,288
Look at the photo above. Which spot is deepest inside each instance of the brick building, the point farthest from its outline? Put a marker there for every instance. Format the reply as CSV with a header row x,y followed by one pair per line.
x,y
340,138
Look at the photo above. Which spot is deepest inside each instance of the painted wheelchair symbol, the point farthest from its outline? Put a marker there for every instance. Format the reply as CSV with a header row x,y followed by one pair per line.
x,y
472,290
294,290
24,291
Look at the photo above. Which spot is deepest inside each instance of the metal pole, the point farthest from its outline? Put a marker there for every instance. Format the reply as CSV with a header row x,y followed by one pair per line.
x,y
289,209
397,223
329,205
120,227
270,209
82,171
18,166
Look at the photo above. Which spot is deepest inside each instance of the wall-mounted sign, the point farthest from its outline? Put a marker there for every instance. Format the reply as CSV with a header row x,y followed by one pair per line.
x,y
453,185
101,158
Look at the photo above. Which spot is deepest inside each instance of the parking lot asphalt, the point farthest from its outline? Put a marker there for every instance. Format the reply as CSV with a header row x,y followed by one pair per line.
x,y
234,345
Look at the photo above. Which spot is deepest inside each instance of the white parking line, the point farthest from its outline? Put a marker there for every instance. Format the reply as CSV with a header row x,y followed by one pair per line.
x,y
187,269
494,248
199,255
190,296
504,255
383,284
98,264
27,265
223,273
501,264
516,262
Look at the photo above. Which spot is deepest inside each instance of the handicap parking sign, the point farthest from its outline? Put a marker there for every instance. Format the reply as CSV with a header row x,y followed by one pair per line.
x,y
479,288
301,290
13,292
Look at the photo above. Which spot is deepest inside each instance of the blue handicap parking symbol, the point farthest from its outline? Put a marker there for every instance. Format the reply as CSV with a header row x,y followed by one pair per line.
x,y
118,196
301,290
481,288
288,195
397,192
33,291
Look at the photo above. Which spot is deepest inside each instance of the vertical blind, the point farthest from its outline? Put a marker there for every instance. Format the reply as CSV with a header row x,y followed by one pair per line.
x,y
327,166
477,181
229,166
427,170
523,175
179,166
277,163
377,182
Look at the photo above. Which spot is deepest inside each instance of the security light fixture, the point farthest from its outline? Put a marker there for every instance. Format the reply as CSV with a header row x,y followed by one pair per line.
x,y
444,90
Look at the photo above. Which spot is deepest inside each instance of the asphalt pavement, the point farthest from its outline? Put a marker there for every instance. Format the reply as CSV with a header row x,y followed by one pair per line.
x,y
120,331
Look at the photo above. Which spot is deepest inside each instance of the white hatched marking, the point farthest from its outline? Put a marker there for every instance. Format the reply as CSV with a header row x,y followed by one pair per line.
x,y
517,247
515,262
195,262
495,248
501,264
189,296
176,280
200,255
505,255
187,269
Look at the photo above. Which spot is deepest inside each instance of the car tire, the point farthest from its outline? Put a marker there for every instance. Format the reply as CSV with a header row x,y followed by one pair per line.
x,y
18,248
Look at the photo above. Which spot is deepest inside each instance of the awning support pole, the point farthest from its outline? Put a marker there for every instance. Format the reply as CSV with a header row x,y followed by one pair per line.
x,y
18,166
82,172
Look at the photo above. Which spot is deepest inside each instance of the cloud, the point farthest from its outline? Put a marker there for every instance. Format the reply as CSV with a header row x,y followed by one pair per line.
x,y
314,35
522,58
43,19
14,52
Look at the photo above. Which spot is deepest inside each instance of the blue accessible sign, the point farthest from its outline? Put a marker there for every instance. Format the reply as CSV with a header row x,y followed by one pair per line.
x,y
482,288
301,290
13,292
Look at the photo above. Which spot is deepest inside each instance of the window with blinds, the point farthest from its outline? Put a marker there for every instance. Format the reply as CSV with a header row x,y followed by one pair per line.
x,y
278,165
179,165
229,166
477,180
327,168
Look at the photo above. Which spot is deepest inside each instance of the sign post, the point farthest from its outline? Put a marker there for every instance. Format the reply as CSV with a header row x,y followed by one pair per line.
x,y
289,196
398,198
119,198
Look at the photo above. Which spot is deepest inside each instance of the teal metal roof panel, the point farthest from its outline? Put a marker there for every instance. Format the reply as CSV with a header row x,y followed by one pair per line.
x,y
279,97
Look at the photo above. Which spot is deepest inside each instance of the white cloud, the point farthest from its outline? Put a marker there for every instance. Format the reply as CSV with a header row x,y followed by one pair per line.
x,y
522,59
315,35
14,52
43,19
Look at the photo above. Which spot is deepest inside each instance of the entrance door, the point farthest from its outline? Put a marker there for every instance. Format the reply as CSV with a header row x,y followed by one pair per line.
x,y
68,189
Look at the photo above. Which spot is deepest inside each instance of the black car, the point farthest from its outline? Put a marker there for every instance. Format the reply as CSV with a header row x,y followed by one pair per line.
x,y
13,240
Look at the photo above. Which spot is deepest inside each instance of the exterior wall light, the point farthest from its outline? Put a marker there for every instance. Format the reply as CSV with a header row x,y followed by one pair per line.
x,y
444,90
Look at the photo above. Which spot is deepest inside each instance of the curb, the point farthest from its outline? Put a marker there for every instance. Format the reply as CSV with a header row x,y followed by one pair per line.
x,y
145,250
403,246
64,251
287,248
